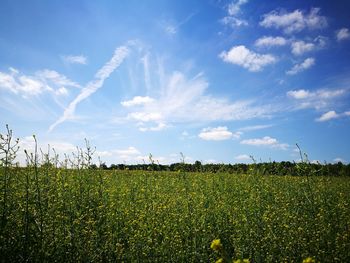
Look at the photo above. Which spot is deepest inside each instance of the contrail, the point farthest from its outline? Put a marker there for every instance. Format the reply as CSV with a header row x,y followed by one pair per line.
x,y
119,55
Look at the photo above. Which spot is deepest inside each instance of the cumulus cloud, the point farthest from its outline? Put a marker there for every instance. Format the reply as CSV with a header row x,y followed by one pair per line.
x,y
301,47
34,85
138,100
218,134
268,41
297,68
119,55
318,99
266,141
295,21
246,58
75,59
342,34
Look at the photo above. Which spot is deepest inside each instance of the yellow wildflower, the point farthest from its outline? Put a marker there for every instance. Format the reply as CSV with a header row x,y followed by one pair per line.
x,y
220,260
241,261
309,260
216,245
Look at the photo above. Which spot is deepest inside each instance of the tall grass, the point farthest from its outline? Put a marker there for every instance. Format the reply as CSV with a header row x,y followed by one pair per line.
x,y
53,212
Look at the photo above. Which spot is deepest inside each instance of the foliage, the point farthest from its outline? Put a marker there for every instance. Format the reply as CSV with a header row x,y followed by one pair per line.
x,y
72,211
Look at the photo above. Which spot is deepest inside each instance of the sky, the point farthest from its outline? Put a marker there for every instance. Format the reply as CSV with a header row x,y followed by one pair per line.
x,y
218,81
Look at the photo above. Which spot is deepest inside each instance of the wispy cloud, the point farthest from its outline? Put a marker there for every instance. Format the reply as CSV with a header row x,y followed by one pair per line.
x,y
147,78
171,28
268,41
255,127
342,34
138,100
246,58
119,55
330,115
233,11
294,21
297,68
218,134
243,157
318,99
160,126
185,100
75,59
266,141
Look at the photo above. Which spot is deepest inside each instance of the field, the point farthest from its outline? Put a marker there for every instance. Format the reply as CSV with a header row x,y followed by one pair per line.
x,y
55,214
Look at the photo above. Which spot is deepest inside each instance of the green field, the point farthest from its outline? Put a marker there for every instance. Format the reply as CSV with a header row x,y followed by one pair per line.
x,y
52,214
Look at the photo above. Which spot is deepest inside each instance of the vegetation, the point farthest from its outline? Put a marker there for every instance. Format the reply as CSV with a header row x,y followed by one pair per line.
x,y
65,211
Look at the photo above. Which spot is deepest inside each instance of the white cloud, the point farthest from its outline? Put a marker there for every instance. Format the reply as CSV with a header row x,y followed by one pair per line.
x,y
328,116
268,41
118,57
127,152
332,115
338,159
159,127
218,134
234,10
75,59
138,100
266,141
294,21
297,68
129,155
147,78
342,34
145,116
245,58
51,76
233,21
243,157
34,85
298,94
28,143
318,99
171,28
255,127
62,91
185,100
301,47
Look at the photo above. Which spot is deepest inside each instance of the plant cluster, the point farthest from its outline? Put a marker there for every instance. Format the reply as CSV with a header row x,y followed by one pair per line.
x,y
55,211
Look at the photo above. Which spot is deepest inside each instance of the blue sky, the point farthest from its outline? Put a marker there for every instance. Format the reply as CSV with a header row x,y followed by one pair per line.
x,y
215,80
